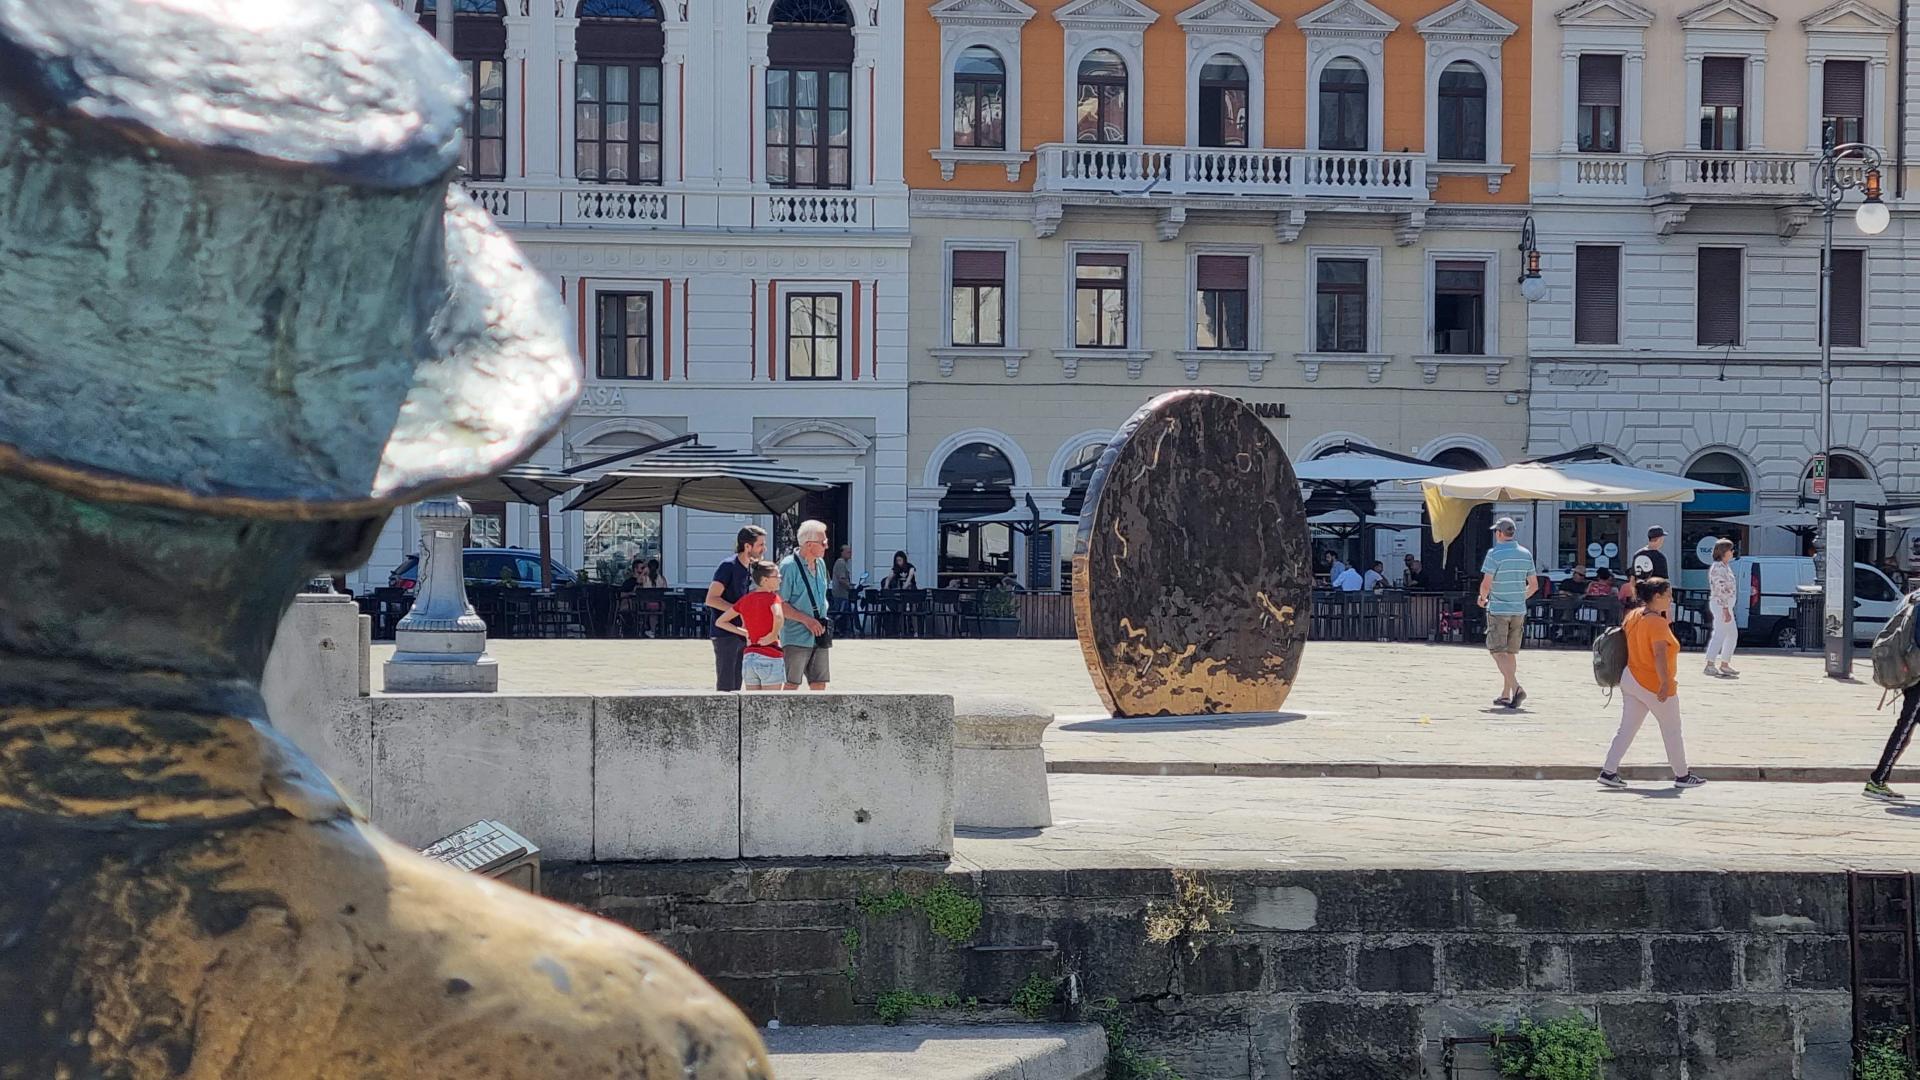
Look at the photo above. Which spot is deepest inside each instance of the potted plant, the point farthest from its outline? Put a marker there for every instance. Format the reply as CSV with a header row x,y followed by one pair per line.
x,y
999,617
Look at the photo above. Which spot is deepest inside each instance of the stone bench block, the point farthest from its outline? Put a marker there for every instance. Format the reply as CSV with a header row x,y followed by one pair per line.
x,y
846,775
1000,772
315,687
442,762
930,1052
666,777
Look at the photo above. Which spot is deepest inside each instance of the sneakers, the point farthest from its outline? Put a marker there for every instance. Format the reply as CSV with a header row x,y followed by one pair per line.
x,y
1882,793
1611,780
1728,673
1713,671
1692,779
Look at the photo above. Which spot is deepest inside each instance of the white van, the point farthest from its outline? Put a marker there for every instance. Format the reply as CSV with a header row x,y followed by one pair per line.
x,y
1764,598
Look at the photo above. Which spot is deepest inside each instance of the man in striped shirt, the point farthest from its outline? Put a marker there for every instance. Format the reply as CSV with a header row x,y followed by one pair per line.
x,y
1506,581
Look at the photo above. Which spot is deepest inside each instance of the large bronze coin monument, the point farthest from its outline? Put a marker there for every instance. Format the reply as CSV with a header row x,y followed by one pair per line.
x,y
1192,583
242,320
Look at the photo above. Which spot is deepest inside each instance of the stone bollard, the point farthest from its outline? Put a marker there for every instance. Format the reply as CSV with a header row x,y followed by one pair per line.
x,y
999,770
441,645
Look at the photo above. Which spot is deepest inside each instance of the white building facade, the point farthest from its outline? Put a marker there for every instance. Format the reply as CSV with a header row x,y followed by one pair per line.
x,y
715,189
1674,146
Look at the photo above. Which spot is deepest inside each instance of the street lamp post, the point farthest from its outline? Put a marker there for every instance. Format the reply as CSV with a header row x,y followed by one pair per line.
x,y
1840,169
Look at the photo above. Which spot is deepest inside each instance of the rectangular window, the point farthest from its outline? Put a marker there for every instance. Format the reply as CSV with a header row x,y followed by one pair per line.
x,y
625,332
1599,116
1459,308
1844,97
1340,306
1717,297
1723,97
813,335
1100,300
484,154
979,298
1848,324
616,123
1596,295
809,128
1220,302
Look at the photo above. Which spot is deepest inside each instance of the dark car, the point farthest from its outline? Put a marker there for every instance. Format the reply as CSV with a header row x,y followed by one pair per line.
x,y
489,566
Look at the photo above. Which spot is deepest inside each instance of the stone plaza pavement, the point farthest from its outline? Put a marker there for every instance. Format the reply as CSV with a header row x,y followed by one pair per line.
x,y
1363,709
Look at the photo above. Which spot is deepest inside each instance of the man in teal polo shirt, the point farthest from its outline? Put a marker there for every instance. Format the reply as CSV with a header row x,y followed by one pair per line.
x,y
1506,581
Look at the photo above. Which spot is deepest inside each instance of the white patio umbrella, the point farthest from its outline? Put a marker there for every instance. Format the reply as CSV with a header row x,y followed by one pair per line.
x,y
1451,498
1364,469
1806,519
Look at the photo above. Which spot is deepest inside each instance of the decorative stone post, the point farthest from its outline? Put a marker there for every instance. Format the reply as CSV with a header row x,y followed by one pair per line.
x,y
999,770
441,645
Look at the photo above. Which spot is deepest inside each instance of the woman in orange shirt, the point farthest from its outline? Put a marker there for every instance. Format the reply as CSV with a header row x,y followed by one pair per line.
x,y
1649,684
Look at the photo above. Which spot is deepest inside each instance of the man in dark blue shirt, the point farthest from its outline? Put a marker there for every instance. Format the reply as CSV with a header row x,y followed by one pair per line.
x,y
732,580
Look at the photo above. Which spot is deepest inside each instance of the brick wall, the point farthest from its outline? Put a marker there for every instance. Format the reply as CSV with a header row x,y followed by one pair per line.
x,y
1326,976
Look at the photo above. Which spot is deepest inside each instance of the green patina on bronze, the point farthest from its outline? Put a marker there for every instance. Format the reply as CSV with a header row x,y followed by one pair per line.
x,y
241,320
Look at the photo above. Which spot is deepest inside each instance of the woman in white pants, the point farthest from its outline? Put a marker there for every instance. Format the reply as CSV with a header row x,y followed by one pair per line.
x,y
1648,685
1720,602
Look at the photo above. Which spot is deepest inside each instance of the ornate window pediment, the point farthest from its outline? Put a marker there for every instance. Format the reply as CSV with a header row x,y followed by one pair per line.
x,y
1005,14
1727,15
1466,21
1607,13
1128,15
1347,19
1850,17
1238,17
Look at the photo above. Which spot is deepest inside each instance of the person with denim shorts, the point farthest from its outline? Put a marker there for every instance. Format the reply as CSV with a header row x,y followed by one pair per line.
x,y
756,618
1506,582
803,598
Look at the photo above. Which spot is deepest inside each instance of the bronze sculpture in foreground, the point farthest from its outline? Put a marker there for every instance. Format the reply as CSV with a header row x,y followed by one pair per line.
x,y
1192,584
241,319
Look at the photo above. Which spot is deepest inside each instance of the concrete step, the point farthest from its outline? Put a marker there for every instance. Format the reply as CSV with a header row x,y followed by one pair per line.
x,y
1442,770
940,1052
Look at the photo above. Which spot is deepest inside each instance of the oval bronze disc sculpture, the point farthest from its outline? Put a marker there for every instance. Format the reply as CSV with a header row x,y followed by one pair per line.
x,y
1192,580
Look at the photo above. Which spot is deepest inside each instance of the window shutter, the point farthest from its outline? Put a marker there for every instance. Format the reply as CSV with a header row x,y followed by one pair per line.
x,y
979,266
1717,297
1596,296
1723,81
1846,327
1102,258
1845,89
1228,272
1599,79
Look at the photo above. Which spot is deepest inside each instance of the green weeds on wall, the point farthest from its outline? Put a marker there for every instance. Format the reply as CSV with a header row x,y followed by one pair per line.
x,y
1570,1048
950,913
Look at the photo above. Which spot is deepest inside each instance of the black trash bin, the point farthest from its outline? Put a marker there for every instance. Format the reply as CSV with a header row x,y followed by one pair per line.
x,y
1809,604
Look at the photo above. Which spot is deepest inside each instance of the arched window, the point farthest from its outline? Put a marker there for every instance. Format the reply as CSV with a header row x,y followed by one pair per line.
x,y
810,94
979,482
1459,567
616,91
1343,105
1101,109
980,100
1223,102
1463,113
1701,519
480,44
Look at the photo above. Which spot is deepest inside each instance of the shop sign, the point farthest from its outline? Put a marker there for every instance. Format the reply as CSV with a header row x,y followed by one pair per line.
x,y
1267,410
1594,507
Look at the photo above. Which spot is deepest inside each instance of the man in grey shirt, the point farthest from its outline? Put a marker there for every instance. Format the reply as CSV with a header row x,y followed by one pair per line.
x,y
843,589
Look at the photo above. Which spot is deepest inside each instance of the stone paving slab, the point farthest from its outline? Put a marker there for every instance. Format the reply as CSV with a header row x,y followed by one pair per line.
x,y
929,1052
1133,822
1360,709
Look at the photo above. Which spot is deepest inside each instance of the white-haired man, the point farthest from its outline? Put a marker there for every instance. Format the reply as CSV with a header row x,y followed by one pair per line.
x,y
803,596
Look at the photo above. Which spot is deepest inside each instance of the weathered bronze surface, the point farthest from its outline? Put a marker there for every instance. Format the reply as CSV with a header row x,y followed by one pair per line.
x,y
1192,581
241,317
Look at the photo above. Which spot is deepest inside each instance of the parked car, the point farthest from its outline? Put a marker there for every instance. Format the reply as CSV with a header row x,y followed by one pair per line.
x,y
489,566
1764,598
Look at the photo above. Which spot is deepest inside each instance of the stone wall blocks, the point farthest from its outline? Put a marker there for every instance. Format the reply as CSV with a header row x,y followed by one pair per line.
x,y
1485,963
1310,965
1823,963
1399,969
1701,965
666,777
1386,901
1645,1036
1224,967
1823,1025
762,953
837,882
1350,1041
1522,902
1783,903
1739,1040
1606,964
1548,966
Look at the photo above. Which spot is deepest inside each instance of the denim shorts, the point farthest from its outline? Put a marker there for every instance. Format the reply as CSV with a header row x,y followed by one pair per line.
x,y
758,670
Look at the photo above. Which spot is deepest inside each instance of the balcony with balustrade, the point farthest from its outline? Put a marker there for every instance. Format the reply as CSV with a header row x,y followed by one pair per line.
x,y
1673,182
649,207
1177,179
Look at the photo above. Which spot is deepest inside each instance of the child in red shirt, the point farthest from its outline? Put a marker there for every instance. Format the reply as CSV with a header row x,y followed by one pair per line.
x,y
757,617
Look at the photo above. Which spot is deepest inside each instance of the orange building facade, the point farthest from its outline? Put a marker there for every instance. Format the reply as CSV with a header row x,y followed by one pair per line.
x,y
1316,207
